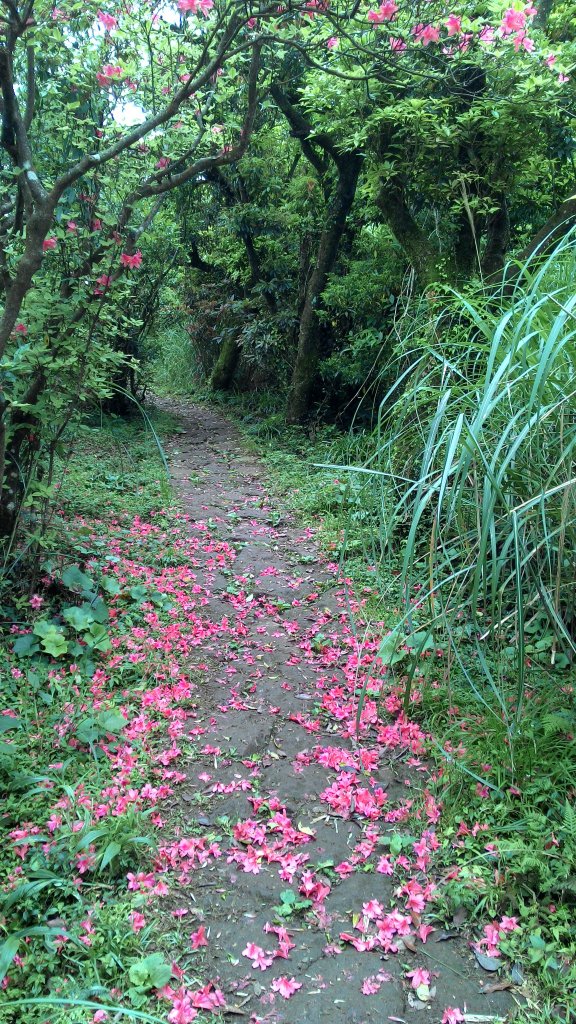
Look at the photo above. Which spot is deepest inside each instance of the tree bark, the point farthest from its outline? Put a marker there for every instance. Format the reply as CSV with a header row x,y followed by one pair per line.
x,y
429,264
226,364
308,353
497,240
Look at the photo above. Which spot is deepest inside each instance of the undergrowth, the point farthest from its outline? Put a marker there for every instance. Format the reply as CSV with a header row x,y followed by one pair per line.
x,y
76,819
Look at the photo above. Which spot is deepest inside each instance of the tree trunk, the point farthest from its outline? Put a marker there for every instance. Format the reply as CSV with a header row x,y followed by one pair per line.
x,y
308,354
429,264
226,364
497,239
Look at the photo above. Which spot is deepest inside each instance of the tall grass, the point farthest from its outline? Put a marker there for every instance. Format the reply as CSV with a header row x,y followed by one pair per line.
x,y
175,366
475,452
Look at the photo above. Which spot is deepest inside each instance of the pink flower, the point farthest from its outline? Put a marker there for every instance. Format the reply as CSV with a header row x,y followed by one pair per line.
x,y
419,977
71,227
198,938
162,163
333,43
508,924
258,956
427,34
563,78
487,35
21,329
370,986
550,61
110,73
453,25
36,601
522,41
286,986
104,281
107,20
196,6
131,261
99,1016
452,1015
182,1011
385,12
138,921
512,21
49,243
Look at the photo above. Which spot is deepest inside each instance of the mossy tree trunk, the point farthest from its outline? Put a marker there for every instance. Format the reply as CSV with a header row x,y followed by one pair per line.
x,y
308,351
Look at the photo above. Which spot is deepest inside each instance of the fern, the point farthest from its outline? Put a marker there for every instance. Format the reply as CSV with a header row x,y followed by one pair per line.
x,y
569,826
556,723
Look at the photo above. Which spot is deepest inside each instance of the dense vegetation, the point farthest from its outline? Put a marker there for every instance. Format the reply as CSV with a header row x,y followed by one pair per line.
x,y
354,229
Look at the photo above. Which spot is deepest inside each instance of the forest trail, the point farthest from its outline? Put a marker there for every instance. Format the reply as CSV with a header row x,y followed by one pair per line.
x,y
290,802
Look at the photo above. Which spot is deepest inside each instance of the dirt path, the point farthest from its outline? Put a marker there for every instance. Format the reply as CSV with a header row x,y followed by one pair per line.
x,y
289,803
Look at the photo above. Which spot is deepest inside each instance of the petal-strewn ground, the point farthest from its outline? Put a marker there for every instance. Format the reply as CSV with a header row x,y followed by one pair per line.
x,y
300,853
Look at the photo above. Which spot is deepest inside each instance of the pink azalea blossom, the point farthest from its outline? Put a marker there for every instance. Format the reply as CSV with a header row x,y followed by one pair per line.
x,y
419,977
385,12
182,1011
110,73
370,986
131,261
426,34
107,20
508,924
333,43
286,986
198,938
512,21
196,6
522,42
138,921
453,25
49,243
452,1015
258,956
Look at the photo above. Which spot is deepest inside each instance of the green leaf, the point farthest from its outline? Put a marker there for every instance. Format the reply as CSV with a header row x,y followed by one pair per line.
x,y
52,638
111,722
111,851
7,723
8,951
87,731
110,585
79,618
388,649
151,972
25,646
76,580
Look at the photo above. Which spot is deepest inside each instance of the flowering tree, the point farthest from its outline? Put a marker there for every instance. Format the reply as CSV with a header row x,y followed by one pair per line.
x,y
105,112
457,118
103,115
